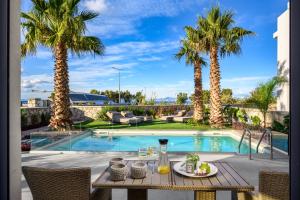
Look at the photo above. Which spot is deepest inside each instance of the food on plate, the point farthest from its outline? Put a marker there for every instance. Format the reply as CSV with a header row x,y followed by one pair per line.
x,y
194,158
203,169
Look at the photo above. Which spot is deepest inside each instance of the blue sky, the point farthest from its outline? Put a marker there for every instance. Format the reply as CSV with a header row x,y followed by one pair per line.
x,y
141,38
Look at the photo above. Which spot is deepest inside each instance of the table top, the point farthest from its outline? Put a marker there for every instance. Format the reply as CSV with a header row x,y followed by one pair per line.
x,y
153,179
226,179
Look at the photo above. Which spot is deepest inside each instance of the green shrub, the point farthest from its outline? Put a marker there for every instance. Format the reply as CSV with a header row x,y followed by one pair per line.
x,y
138,111
277,126
45,118
230,113
192,122
284,128
102,113
24,118
255,120
206,115
150,112
34,119
286,123
241,115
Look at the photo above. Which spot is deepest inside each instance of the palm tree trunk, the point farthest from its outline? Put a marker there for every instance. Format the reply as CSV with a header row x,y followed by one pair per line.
x,y
198,101
216,118
264,116
61,114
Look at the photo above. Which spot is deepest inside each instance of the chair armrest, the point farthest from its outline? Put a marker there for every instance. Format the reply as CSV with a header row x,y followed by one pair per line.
x,y
101,194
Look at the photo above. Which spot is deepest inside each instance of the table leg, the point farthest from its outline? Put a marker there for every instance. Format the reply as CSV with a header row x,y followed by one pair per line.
x,y
137,194
204,195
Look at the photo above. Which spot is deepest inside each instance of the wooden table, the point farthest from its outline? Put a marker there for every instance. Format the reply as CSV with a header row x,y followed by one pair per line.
x,y
137,188
205,188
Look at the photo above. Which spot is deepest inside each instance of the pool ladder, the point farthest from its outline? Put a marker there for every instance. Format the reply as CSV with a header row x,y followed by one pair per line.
x,y
249,133
270,137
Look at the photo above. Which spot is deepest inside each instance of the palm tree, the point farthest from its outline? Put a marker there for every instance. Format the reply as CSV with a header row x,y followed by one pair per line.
x,y
60,26
264,95
192,57
218,37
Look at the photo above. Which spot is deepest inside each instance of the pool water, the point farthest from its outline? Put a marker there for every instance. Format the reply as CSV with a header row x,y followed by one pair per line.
x,y
38,141
133,143
281,142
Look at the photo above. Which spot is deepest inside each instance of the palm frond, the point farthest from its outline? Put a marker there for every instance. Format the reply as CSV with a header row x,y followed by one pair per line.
x,y
88,44
87,15
58,21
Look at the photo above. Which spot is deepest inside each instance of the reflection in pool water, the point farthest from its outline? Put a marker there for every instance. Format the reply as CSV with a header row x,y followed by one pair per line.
x,y
197,143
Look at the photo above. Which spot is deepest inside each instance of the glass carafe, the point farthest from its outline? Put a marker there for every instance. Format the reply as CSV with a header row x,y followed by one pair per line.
x,y
163,162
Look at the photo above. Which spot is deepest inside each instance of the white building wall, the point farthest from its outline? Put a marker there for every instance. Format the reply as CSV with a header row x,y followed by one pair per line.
x,y
283,51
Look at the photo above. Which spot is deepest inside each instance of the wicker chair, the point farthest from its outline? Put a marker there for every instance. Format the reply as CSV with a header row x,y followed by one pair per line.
x,y
62,184
272,186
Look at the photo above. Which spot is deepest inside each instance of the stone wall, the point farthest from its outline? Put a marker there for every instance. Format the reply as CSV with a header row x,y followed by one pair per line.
x,y
80,113
270,117
35,111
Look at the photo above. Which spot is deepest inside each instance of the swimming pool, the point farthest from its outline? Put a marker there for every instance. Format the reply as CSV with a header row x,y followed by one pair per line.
x,y
127,143
281,142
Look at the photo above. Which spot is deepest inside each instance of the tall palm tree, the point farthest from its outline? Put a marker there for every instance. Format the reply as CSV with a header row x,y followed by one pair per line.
x,y
220,38
60,26
192,57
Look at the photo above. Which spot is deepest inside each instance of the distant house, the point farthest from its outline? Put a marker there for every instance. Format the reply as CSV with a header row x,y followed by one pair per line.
x,y
37,102
24,103
283,51
89,99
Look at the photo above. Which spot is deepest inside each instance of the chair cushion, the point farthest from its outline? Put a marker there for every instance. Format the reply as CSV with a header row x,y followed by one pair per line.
x,y
127,114
181,113
113,115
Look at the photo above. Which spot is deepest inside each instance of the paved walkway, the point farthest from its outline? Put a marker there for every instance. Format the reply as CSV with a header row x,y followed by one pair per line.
x,y
97,161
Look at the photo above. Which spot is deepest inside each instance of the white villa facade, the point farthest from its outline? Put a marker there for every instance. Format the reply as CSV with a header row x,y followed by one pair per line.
x,y
283,51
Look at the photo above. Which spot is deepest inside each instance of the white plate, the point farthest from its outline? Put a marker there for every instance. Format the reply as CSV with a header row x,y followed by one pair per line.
x,y
180,168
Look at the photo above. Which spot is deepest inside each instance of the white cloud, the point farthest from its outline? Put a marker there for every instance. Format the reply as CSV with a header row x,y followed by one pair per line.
x,y
95,5
124,55
150,59
242,86
143,48
122,17
246,78
35,81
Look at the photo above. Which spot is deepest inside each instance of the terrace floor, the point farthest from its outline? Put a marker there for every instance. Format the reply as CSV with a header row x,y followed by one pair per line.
x,y
249,169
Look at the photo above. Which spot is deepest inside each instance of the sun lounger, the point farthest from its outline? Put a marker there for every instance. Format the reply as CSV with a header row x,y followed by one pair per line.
x,y
129,114
169,118
185,118
116,117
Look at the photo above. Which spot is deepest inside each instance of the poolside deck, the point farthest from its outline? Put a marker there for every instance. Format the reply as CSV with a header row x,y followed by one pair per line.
x,y
97,161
